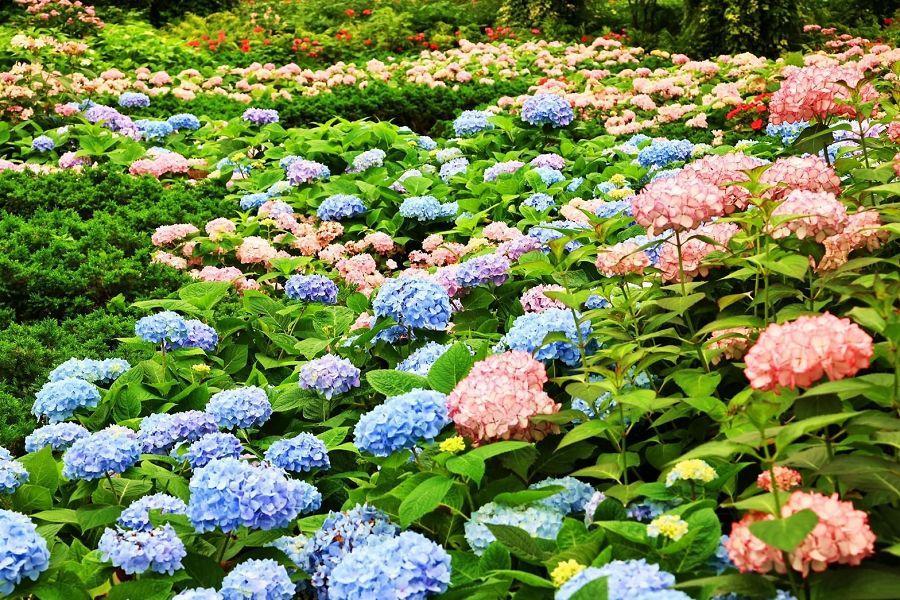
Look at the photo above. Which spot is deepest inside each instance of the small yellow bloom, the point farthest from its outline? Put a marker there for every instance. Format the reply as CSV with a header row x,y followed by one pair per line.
x,y
620,193
691,470
453,445
565,571
669,526
200,369
618,180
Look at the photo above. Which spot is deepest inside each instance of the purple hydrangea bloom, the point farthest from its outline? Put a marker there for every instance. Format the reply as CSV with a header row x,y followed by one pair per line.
x,y
502,168
159,550
137,514
482,270
108,451
306,171
329,375
552,161
242,407
311,288
258,580
58,436
210,447
515,248
134,100
547,109
58,400
160,432
43,143
260,116
401,422
303,452
23,551
339,207
414,302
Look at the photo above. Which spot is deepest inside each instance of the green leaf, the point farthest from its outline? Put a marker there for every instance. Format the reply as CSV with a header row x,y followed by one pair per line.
x,y
791,432
204,570
680,304
520,543
310,347
786,534
97,516
42,468
584,431
527,578
145,589
424,498
205,294
859,583
468,465
495,557
596,589
450,367
749,584
697,383
792,265
57,515
393,383
527,496
30,498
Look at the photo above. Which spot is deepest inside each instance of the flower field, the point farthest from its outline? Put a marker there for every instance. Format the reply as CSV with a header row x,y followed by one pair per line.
x,y
513,317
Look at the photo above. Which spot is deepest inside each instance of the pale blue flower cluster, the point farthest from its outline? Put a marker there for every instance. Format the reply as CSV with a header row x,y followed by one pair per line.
x,y
260,116
661,153
720,561
198,594
12,475
483,270
414,303
159,550
447,154
210,447
634,143
591,507
538,521
595,301
294,547
200,335
472,122
408,566
134,100
241,407
420,361
43,143
426,208
228,493
159,433
572,499
137,514
547,109
574,184
58,400
256,579
549,175
453,167
311,288
253,201
539,201
153,129
166,326
369,159
786,132
58,436
329,375
613,208
106,452
502,168
529,330
553,230
303,452
184,121
426,143
625,580
90,370
306,171
401,422
338,207
23,552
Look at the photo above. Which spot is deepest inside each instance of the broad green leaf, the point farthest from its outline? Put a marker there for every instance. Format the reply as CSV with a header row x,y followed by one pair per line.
x,y
520,543
393,383
424,498
450,367
42,468
786,533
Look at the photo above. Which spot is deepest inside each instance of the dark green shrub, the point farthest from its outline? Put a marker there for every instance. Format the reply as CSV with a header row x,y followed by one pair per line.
x,y
766,27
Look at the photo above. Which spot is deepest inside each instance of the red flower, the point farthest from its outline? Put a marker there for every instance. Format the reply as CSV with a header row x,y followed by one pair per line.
x,y
257,29
585,38
194,43
350,12
367,42
888,21
536,31
756,125
367,11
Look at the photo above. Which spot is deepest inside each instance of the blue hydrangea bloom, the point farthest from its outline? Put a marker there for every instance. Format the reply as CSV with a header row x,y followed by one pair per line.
x,y
106,452
210,447
632,145
549,176
547,109
23,552
783,595
553,230
595,301
184,121
134,100
645,511
625,579
407,566
311,288
228,493
720,561
151,129
426,143
483,270
160,432
574,184
453,167
199,594
58,400
590,508
339,207
367,160
137,514
260,116
401,422
787,132
426,208
200,335
472,122
329,375
242,407
539,201
258,580
661,153
12,475
572,499
295,547
288,160
278,188
414,303
614,208
43,143
90,370
58,436
661,595
159,550
529,330
253,201
165,326
303,452
420,361
538,521
5,454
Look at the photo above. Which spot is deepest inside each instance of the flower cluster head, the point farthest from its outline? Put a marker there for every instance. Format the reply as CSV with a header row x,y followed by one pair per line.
x,y
329,375
421,360
534,300
798,353
241,407
668,526
165,326
554,230
136,551
427,208
184,121
198,594
453,444
367,160
549,176
786,479
228,493
816,215
502,168
547,109
453,167
152,129
257,579
137,515
200,335
625,580
550,160
426,143
109,451
12,475
572,499
301,453
414,302
565,570
260,116
539,201
679,203
253,201
134,100
407,566
58,400
306,171
693,469
661,153
311,288
810,173
695,248
58,436
817,93
23,551
90,370
401,422
159,433
169,234
863,230
726,171
498,398
624,258
529,331
842,536
538,521
591,507
210,447
43,143
472,122
338,207
483,270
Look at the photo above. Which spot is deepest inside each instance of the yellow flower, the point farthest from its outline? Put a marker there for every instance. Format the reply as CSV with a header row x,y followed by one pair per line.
x,y
453,445
565,571
618,180
200,369
620,193
669,526
691,470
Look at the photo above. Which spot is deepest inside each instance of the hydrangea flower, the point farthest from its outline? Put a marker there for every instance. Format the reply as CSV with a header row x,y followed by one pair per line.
x,y
538,521
539,201
691,470
305,171
367,160
426,143
786,479
338,207
134,100
165,326
329,375
184,121
210,447
23,552
547,109
228,493
90,370
454,167
106,452
295,547
253,201
426,208
151,129
414,302
549,176
472,122
816,215
591,507
407,566
502,168
303,452
12,475
58,436
554,230
198,594
200,335
483,270
402,422
421,360
669,526
550,160
137,514
311,288
574,184
663,152
608,210
160,432
679,203
625,580
58,400
43,143
529,330
159,550
534,300
241,407
260,116
646,510
258,580
572,499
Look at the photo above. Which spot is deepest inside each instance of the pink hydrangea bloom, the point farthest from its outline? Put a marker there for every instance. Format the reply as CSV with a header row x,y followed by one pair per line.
x,y
431,243
817,93
254,249
731,343
621,259
534,300
499,397
812,214
861,231
165,163
498,231
785,478
800,352
725,170
679,203
218,227
168,259
694,250
168,234
809,173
